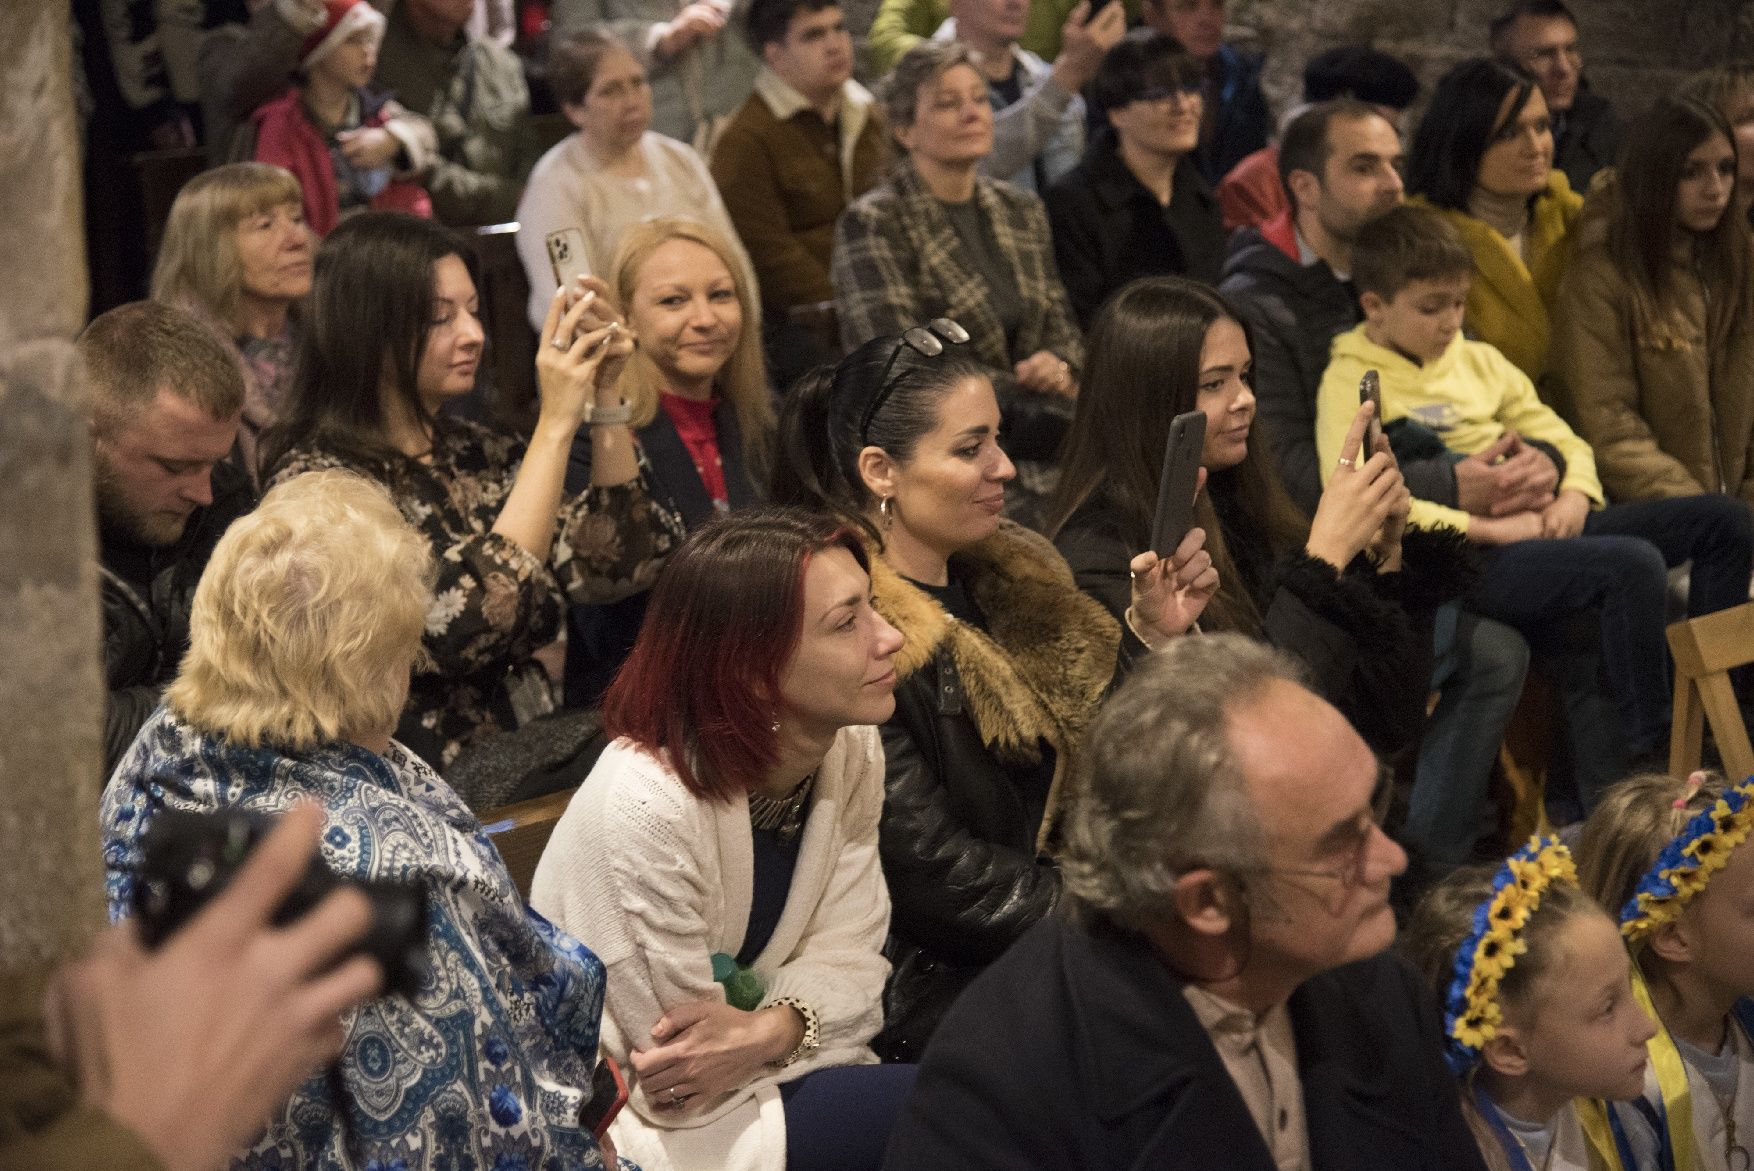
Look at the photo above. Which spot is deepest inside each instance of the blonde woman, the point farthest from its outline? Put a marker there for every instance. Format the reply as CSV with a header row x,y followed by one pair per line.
x,y
305,627
698,391
237,254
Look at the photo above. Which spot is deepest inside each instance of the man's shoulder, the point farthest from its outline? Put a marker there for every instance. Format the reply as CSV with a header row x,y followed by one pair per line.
x,y
749,130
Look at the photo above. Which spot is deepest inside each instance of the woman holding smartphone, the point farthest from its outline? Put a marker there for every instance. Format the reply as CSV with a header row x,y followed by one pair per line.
x,y
702,418
1004,661
1340,590
722,857
393,337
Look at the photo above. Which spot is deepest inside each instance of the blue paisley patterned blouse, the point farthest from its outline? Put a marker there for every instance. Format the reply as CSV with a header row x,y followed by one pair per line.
x,y
487,1069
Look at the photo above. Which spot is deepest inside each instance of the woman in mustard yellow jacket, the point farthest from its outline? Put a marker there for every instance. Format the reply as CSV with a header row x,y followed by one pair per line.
x,y
1653,334
1483,156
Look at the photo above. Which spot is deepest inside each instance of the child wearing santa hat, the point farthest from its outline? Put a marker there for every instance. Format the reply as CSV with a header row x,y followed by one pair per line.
x,y
350,146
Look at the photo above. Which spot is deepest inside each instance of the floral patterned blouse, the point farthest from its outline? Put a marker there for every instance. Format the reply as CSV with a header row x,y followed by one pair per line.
x,y
487,1066
494,604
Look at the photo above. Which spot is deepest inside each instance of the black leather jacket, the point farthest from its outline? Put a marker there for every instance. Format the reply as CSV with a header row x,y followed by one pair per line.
x,y
964,811
958,848
147,631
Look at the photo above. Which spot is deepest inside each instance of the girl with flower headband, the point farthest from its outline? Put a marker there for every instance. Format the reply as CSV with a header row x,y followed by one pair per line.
x,y
1665,855
1538,1010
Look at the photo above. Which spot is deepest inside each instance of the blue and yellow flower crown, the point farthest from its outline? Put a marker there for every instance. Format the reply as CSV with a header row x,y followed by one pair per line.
x,y
1471,1013
1686,865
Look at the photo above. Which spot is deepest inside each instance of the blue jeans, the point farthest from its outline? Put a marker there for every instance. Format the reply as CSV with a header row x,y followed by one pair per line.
x,y
838,1119
1618,566
1477,670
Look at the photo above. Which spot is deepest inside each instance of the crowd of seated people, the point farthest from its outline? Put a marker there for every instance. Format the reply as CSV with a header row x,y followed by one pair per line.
x,y
820,592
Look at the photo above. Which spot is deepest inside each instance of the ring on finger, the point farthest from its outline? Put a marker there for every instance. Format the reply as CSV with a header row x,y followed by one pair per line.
x,y
560,343
1345,462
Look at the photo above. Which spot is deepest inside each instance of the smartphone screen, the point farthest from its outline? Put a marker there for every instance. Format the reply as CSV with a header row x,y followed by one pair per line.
x,y
1175,487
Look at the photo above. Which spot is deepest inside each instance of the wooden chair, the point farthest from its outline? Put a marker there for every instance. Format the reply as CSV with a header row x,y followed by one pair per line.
x,y
1705,650
521,831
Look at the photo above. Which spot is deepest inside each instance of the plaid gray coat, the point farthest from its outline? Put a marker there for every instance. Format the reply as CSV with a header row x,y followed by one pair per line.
x,y
898,263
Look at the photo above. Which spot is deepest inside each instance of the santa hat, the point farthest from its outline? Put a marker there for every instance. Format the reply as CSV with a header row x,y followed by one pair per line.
x,y
341,19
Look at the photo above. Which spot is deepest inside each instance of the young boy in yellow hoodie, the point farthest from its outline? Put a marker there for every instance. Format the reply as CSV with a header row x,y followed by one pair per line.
x,y
1562,552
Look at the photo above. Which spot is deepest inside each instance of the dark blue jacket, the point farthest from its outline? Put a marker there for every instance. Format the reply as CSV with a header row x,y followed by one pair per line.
x,y
598,638
1077,1049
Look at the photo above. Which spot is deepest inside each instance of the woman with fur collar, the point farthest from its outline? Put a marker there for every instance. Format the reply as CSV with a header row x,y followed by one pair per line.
x,y
1004,660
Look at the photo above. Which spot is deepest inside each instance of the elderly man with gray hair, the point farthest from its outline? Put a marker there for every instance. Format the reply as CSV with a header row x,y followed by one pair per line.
x,y
1217,992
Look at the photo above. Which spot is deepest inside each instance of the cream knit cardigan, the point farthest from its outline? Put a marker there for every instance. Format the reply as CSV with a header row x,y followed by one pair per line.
x,y
655,880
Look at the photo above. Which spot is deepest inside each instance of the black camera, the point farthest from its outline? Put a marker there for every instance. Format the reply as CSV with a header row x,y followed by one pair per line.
x,y
187,858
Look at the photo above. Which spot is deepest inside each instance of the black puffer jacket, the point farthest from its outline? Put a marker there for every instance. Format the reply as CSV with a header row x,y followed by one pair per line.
x,y
982,737
146,596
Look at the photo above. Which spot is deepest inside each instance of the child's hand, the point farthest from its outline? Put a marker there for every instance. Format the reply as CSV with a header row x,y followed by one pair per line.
x,y
1564,518
368,146
1505,530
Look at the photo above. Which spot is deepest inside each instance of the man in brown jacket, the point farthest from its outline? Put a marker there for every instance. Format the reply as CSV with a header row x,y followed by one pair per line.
x,y
801,148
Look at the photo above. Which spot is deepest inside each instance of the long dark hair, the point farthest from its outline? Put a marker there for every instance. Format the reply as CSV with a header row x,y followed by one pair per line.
x,y
1143,370
368,321
1642,228
1443,163
703,680
817,464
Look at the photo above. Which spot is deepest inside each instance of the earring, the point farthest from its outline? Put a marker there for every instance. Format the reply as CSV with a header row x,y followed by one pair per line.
x,y
776,725
886,511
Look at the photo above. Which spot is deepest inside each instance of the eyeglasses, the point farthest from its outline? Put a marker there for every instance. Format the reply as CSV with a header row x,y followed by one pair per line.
x,y
927,340
1351,873
1159,96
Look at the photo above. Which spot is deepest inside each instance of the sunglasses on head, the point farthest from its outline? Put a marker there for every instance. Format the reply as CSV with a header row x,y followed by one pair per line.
x,y
927,340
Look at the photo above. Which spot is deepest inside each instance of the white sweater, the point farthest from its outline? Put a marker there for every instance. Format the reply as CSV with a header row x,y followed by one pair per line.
x,y
567,189
655,880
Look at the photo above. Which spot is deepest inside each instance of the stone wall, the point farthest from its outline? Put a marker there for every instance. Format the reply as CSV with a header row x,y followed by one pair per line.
x,y
1634,49
51,690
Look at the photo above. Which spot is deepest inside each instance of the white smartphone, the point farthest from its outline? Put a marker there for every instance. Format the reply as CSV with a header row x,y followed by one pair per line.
x,y
567,257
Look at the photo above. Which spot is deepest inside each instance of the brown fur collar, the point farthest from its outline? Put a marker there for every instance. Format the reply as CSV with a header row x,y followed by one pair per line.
x,y
1045,661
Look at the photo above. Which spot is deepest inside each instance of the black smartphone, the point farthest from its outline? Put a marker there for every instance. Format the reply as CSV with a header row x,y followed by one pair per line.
x,y
187,858
1175,488
608,1096
1370,391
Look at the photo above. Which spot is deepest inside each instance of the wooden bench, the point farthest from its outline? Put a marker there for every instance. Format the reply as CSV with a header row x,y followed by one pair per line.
x,y
521,831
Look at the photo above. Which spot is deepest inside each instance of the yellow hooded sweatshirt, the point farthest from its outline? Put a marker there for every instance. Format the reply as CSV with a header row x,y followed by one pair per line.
x,y
1470,396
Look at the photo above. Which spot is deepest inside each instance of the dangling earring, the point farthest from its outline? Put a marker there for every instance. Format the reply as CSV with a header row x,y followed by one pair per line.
x,y
776,725
886,511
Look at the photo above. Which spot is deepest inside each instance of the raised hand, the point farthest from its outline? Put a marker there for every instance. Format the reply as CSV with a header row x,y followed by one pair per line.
x,y
1358,499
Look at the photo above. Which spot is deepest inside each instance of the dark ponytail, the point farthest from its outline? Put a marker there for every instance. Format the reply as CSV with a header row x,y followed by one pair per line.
x,y
817,461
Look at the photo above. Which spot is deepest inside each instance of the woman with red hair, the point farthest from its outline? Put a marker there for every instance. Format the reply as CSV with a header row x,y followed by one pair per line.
x,y
722,861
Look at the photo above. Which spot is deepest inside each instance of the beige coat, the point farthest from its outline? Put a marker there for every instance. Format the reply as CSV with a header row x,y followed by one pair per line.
x,y
1666,399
